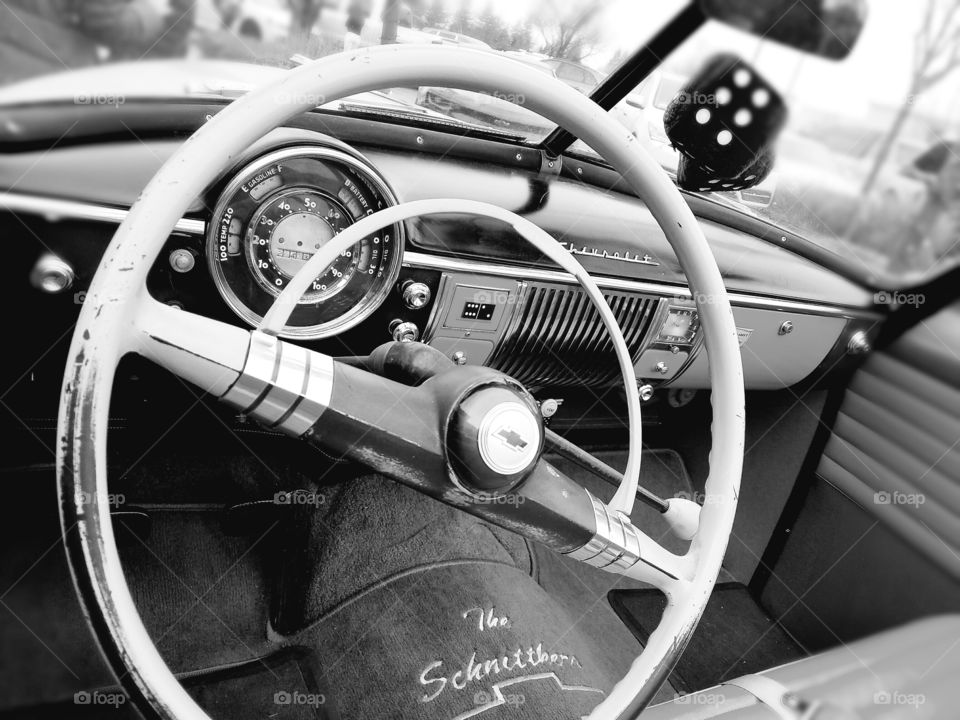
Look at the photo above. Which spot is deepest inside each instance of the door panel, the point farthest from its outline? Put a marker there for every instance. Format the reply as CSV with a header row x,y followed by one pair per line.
x,y
895,447
877,540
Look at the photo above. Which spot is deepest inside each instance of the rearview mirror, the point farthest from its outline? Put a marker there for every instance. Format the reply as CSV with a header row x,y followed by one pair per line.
x,y
828,28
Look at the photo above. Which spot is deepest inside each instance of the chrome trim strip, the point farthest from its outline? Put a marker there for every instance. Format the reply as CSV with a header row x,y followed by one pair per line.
x,y
438,262
38,205
615,545
257,375
282,385
54,209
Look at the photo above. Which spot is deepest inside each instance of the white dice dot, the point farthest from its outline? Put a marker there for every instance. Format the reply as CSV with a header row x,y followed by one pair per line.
x,y
724,95
741,77
724,137
703,116
761,97
742,117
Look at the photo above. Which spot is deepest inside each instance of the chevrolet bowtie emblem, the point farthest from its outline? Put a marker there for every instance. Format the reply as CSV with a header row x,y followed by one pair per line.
x,y
512,438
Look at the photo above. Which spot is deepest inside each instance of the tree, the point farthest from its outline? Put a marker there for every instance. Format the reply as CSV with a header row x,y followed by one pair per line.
x,y
566,27
304,14
936,55
492,30
463,20
437,14
521,38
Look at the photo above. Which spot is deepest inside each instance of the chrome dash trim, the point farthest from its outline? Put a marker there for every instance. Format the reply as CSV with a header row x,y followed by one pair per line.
x,y
39,205
56,209
439,262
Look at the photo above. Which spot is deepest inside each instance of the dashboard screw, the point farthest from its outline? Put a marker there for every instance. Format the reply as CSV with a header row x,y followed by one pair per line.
x,y
785,328
645,392
459,357
419,139
519,157
662,368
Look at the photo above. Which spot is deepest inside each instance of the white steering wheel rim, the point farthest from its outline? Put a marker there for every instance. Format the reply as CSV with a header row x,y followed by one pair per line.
x,y
107,319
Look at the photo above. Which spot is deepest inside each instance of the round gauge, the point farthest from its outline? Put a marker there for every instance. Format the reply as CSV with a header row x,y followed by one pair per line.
x,y
279,211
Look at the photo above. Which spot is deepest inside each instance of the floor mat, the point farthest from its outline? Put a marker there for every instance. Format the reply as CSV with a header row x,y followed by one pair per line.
x,y
473,639
735,636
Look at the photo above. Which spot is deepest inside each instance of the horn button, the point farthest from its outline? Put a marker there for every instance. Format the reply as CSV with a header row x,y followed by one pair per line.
x,y
494,439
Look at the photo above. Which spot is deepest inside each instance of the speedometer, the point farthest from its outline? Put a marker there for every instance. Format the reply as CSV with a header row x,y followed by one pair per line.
x,y
280,210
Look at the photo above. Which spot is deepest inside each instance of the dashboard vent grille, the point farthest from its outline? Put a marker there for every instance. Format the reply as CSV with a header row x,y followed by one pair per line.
x,y
557,337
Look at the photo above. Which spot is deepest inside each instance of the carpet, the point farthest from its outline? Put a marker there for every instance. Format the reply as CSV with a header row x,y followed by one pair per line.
x,y
735,636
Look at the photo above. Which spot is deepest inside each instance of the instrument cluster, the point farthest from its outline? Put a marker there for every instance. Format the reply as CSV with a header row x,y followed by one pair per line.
x,y
279,210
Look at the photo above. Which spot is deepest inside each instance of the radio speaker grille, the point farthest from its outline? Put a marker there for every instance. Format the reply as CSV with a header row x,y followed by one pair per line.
x,y
557,337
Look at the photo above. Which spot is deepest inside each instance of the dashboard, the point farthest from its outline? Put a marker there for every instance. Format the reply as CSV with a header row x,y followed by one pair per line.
x,y
466,285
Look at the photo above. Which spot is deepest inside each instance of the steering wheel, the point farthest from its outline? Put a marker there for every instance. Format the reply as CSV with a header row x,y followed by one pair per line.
x,y
450,456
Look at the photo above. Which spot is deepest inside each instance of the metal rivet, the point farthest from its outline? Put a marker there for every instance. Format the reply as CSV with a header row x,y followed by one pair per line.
x,y
661,367
786,327
519,156
419,139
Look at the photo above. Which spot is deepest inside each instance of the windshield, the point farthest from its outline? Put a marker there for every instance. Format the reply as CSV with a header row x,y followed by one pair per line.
x,y
868,164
